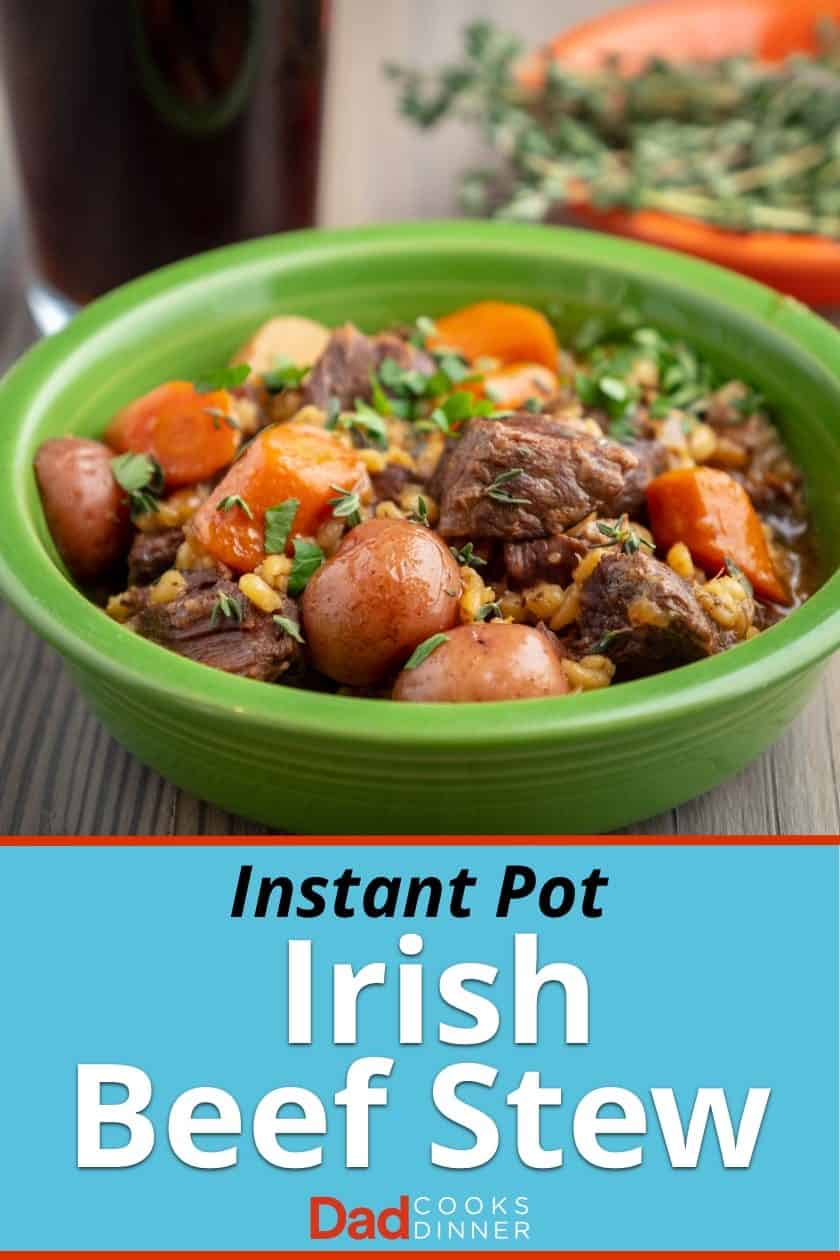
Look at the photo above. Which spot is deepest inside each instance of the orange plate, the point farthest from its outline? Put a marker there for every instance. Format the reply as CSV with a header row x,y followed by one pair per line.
x,y
807,267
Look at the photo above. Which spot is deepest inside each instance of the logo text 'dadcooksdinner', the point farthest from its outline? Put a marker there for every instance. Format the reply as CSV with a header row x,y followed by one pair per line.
x,y
421,1217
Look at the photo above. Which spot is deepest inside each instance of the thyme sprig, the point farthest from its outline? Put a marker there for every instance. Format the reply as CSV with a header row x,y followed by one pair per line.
x,y
621,533
227,606
735,142
346,505
496,489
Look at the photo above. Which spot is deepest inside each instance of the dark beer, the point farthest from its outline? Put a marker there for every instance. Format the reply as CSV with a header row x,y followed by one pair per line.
x,y
147,130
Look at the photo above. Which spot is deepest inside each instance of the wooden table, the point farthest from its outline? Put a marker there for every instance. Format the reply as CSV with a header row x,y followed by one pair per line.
x,y
60,772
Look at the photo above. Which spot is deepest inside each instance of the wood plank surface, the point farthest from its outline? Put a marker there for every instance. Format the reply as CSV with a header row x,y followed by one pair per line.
x,y
60,772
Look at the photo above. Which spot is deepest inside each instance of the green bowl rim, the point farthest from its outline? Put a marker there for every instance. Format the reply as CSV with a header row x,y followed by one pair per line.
x,y
62,615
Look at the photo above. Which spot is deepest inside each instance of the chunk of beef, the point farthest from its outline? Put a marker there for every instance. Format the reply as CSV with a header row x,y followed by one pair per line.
x,y
565,474
652,460
152,554
344,369
390,483
255,646
543,559
637,611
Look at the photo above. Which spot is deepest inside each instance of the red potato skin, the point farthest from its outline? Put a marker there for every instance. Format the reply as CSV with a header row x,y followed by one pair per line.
x,y
86,510
389,586
491,660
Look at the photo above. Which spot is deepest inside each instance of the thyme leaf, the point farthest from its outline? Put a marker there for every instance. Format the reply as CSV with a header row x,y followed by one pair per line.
x,y
496,488
425,649
227,606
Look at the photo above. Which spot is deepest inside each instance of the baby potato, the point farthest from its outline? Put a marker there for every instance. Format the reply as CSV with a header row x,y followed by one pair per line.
x,y
286,336
86,510
388,587
488,660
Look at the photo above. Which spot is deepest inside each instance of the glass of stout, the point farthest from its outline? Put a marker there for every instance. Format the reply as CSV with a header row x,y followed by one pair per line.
x,y
147,130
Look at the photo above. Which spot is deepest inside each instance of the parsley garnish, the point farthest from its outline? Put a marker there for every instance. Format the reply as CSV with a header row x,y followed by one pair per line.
x,y
226,606
403,381
291,627
407,386
379,398
232,501
366,421
278,522
622,430
333,411
453,366
425,649
458,407
495,491
308,559
467,556
617,390
284,375
487,611
141,476
534,405
423,329
222,378
404,386
347,505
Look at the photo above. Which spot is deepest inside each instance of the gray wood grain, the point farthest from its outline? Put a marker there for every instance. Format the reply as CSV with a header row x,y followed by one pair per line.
x,y
60,772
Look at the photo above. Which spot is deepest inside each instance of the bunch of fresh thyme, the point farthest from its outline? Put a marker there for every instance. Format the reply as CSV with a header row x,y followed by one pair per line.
x,y
735,142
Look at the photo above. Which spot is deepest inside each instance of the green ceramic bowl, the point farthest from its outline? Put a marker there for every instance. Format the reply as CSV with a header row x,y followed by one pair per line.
x,y
309,762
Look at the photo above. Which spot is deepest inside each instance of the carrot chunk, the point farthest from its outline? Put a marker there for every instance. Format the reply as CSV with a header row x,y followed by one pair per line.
x,y
514,384
284,462
498,330
187,432
711,513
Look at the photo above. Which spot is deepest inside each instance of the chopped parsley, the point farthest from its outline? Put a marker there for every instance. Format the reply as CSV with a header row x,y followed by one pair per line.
x,y
466,556
380,400
408,387
496,488
366,421
425,649
622,430
308,559
278,523
226,606
232,501
534,405
405,387
284,375
347,505
402,381
457,408
680,379
223,378
291,627
141,476
423,329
